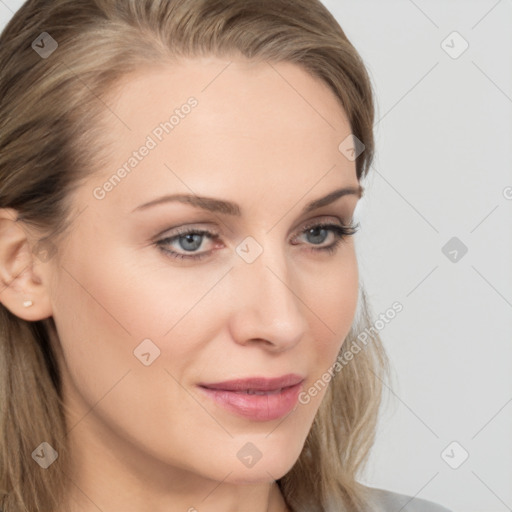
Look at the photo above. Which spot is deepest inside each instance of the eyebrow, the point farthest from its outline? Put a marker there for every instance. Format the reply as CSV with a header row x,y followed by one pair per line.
x,y
229,208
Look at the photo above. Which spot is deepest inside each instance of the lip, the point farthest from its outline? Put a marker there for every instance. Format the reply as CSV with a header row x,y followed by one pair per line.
x,y
256,383
277,396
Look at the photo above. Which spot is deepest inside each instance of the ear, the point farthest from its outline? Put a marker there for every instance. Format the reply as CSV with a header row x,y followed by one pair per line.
x,y
23,273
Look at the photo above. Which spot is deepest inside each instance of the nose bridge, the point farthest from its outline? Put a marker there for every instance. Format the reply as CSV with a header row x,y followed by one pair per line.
x,y
268,306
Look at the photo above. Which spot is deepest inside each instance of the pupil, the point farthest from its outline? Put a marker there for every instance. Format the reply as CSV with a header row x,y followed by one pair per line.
x,y
317,238
190,239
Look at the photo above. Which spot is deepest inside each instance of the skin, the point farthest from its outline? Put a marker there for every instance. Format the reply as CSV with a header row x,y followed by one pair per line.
x,y
144,437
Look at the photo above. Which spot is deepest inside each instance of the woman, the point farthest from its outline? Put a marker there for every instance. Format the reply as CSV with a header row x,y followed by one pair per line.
x,y
180,290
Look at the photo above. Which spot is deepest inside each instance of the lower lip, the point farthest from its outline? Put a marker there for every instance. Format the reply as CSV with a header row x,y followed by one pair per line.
x,y
257,407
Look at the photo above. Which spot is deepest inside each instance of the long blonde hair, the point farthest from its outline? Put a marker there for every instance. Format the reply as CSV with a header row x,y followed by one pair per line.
x,y
51,110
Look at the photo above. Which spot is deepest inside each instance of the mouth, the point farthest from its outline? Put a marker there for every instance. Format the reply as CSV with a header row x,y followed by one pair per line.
x,y
256,398
259,392
256,384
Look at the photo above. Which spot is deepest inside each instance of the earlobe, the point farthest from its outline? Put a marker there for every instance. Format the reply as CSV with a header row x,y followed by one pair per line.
x,y
23,289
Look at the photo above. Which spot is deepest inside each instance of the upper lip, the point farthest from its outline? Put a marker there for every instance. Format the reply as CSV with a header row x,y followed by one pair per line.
x,y
256,383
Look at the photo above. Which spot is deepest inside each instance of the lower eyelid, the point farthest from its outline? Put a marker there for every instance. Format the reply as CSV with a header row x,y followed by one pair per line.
x,y
333,228
216,236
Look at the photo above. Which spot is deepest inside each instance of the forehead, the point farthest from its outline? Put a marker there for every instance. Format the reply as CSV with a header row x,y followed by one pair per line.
x,y
214,124
230,93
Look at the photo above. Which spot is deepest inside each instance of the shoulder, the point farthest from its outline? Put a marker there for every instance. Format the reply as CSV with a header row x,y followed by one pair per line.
x,y
388,501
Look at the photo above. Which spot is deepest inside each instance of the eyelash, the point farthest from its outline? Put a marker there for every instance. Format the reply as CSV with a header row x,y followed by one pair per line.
x,y
340,232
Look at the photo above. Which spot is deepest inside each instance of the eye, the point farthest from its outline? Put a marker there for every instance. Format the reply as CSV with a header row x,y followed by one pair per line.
x,y
316,234
190,240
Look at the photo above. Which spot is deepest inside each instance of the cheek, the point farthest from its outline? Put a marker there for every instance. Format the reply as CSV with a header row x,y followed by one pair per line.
x,y
90,313
334,302
103,312
107,307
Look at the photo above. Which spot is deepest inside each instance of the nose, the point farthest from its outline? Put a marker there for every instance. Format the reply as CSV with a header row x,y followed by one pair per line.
x,y
267,306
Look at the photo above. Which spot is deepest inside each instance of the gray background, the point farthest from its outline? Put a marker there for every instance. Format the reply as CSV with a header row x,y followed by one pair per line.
x,y
444,160
443,169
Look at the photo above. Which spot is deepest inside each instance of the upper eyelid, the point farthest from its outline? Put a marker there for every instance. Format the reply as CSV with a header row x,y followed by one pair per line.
x,y
331,226
215,233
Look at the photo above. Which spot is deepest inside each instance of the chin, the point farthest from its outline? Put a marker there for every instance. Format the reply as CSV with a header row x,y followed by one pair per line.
x,y
250,459
259,473
264,460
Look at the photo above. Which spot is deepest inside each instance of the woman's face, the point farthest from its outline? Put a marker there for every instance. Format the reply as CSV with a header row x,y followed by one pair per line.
x,y
144,316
